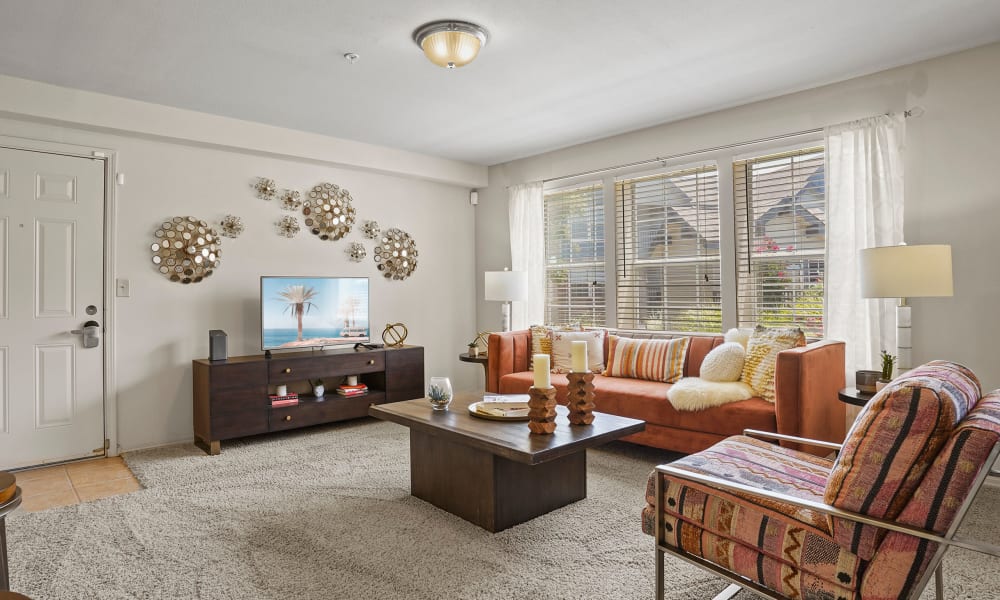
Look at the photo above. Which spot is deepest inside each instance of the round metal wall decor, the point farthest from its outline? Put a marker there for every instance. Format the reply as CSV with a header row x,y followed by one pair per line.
x,y
290,200
356,251
370,229
288,226
394,334
186,249
396,254
328,211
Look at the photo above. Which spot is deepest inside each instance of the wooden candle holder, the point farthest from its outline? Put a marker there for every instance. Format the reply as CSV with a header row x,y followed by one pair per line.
x,y
581,398
542,410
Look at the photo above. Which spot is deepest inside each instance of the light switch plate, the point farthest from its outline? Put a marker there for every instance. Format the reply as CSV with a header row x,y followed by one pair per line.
x,y
122,288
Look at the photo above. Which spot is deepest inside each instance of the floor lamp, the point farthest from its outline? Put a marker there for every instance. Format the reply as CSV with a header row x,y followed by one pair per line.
x,y
505,286
905,272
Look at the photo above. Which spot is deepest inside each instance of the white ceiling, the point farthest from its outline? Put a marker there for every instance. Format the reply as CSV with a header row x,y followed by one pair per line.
x,y
555,72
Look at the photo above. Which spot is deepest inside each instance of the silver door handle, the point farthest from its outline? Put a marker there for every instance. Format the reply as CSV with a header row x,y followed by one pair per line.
x,y
91,333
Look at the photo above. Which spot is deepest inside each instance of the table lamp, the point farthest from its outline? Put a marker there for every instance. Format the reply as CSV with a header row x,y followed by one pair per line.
x,y
505,286
905,272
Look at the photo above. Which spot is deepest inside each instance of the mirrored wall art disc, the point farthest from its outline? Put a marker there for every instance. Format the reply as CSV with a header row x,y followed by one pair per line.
x,y
356,251
330,209
266,188
396,254
370,229
291,200
231,226
179,244
288,226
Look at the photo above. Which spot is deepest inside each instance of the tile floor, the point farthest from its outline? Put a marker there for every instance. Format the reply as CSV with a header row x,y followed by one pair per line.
x,y
73,483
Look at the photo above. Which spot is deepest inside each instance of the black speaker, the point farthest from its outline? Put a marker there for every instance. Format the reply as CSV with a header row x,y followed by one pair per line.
x,y
217,345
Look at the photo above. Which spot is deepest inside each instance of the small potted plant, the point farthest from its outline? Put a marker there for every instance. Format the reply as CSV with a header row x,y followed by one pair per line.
x,y
888,365
474,348
318,388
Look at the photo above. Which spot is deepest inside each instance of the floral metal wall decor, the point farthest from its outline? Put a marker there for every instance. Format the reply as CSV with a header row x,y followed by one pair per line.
x,y
328,211
266,188
396,254
186,249
231,226
290,200
288,226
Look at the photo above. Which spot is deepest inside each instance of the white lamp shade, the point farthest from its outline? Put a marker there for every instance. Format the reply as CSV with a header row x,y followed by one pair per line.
x,y
505,286
906,271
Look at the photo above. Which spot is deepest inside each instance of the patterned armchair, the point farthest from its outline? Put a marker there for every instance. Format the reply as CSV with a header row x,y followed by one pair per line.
x,y
871,524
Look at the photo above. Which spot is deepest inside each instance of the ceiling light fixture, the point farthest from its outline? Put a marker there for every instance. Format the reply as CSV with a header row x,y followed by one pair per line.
x,y
450,44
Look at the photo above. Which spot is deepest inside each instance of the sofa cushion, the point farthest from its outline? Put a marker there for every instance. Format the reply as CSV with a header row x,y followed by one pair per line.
x,y
724,362
647,400
892,444
562,345
655,360
762,357
695,393
541,339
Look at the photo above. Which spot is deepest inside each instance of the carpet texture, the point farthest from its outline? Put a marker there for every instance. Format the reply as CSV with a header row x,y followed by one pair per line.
x,y
326,513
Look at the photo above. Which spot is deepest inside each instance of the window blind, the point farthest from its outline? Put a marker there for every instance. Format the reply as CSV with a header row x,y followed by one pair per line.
x,y
668,267
574,255
781,239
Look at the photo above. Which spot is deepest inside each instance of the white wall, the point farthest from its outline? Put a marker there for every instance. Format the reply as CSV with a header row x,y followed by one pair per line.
x,y
952,192
164,325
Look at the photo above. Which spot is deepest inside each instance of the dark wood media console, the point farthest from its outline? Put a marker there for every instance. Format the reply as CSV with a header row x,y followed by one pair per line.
x,y
231,396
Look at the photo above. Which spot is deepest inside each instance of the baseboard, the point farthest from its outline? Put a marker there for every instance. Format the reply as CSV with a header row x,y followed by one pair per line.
x,y
152,446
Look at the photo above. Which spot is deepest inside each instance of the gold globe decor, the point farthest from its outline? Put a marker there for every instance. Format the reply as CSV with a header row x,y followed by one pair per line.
x,y
328,211
396,254
394,334
186,249
450,44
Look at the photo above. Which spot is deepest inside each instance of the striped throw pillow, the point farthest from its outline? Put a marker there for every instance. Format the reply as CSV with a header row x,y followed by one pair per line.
x,y
762,357
654,360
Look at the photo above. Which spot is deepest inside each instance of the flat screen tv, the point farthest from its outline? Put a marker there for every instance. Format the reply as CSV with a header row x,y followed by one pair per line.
x,y
304,312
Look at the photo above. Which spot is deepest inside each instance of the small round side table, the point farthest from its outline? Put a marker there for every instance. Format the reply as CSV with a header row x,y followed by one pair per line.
x,y
854,396
480,359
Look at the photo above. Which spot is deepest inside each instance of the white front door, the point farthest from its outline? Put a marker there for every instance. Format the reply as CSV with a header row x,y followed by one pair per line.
x,y
51,282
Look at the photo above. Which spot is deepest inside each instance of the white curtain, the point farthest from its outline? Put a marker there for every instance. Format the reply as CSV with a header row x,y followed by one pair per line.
x,y
527,251
864,187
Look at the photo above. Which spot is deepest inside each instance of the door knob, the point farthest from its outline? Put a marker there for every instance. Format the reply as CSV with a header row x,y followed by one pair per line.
x,y
91,333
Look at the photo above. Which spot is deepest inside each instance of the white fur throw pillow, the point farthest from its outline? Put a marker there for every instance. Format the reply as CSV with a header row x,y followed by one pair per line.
x,y
724,362
694,393
741,335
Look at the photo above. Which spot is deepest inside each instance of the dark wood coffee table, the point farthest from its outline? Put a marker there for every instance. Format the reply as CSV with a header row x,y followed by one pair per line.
x,y
496,474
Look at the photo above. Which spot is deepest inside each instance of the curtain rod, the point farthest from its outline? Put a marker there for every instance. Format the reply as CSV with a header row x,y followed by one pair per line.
x,y
910,112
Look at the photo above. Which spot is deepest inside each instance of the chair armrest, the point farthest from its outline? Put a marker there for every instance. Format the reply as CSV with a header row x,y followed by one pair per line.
x,y
791,438
806,382
742,489
507,352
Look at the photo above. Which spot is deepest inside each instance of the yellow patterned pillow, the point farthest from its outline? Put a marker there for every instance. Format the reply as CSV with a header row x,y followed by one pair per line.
x,y
655,360
762,357
541,339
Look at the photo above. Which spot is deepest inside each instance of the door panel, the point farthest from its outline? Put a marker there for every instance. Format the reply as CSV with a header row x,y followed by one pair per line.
x,y
51,269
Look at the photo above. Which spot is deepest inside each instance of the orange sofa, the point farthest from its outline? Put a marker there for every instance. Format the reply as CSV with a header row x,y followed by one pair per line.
x,y
807,380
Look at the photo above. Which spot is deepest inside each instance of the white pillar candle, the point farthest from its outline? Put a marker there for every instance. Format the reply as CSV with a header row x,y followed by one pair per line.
x,y
282,390
578,352
541,363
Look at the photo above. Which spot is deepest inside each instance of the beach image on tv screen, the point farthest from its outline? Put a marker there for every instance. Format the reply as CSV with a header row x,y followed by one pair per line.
x,y
299,312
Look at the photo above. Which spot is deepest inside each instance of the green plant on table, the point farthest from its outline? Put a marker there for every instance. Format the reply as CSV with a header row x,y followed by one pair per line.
x,y
888,365
439,393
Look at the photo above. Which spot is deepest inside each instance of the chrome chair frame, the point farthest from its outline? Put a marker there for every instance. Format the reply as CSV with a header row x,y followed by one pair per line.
x,y
739,582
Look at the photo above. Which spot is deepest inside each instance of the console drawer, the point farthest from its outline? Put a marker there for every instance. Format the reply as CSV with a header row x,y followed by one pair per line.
x,y
300,369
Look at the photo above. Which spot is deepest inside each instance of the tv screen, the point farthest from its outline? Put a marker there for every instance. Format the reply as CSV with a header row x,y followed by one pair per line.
x,y
303,312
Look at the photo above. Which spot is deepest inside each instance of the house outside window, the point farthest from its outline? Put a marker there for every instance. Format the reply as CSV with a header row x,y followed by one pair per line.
x,y
574,255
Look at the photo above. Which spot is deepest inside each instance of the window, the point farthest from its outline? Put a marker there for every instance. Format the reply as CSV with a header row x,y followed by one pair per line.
x,y
668,266
574,255
781,227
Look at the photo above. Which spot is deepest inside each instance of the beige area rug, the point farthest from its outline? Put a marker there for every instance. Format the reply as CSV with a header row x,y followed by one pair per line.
x,y
326,513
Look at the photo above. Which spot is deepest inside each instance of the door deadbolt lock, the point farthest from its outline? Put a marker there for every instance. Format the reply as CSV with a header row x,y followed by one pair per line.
x,y
91,333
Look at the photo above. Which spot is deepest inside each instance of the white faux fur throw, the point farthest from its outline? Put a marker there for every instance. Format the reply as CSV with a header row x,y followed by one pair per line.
x,y
694,393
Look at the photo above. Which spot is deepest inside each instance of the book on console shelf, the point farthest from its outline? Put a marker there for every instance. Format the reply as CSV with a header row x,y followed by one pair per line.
x,y
361,392
286,400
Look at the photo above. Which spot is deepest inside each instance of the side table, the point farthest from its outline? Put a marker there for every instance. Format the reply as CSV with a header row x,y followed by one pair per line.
x,y
481,359
10,499
854,396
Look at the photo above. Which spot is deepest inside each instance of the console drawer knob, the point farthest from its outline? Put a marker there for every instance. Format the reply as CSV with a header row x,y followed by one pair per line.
x,y
288,417
288,370
371,362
